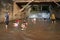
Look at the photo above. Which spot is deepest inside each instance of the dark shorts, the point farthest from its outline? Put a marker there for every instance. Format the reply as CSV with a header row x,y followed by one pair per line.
x,y
53,19
7,22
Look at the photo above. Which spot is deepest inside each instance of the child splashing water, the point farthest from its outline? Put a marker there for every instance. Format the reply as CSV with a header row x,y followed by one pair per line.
x,y
34,20
16,24
24,25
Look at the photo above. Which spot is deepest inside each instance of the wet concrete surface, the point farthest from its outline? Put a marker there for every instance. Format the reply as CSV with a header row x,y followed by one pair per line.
x,y
42,30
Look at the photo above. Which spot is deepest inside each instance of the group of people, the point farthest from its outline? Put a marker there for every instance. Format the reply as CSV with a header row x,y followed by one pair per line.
x,y
16,23
24,23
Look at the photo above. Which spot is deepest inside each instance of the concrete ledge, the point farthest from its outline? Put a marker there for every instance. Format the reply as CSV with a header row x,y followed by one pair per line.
x,y
57,18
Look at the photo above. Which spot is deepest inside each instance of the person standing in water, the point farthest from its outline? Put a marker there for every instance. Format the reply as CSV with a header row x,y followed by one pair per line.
x,y
53,18
6,19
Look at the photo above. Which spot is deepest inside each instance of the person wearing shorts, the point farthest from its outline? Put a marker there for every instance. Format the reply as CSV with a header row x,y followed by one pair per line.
x,y
7,19
53,18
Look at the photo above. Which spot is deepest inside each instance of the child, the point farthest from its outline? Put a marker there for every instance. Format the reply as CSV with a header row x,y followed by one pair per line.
x,y
23,26
16,23
25,23
34,20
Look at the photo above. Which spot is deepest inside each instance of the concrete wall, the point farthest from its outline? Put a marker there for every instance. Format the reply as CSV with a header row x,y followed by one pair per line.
x,y
57,13
16,13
